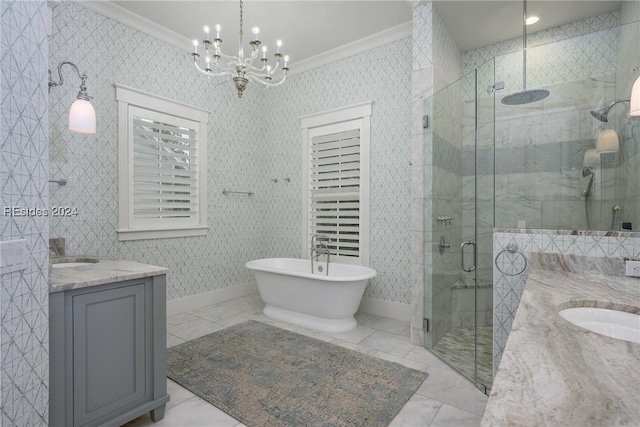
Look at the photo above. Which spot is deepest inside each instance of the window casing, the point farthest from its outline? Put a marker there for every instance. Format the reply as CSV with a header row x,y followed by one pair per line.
x,y
162,167
336,181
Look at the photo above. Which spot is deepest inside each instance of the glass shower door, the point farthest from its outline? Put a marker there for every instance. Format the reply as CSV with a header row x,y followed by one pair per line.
x,y
459,150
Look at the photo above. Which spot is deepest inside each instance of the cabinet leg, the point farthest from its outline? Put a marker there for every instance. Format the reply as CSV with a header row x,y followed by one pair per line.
x,y
158,413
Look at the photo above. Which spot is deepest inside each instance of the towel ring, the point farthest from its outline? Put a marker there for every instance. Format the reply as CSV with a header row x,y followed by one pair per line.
x,y
511,261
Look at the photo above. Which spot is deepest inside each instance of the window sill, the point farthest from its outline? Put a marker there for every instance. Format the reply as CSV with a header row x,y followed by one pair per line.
x,y
161,233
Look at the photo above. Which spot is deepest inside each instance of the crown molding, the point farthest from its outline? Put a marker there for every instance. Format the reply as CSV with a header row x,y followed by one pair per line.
x,y
140,23
135,21
382,38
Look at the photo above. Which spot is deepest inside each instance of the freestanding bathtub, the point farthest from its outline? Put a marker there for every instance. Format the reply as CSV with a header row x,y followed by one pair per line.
x,y
316,301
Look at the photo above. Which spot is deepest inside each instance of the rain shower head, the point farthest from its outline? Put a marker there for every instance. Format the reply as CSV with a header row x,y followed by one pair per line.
x,y
602,114
525,97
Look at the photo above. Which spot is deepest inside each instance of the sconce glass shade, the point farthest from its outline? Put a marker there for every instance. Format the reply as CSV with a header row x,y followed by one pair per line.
x,y
82,117
607,142
591,158
634,110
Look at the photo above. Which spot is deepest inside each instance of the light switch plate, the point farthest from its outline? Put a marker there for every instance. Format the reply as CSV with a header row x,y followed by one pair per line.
x,y
13,256
632,268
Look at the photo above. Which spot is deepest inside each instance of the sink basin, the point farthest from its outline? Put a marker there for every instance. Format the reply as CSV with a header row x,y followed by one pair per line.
x,y
69,262
612,323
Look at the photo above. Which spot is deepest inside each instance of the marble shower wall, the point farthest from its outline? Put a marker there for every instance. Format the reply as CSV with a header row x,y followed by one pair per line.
x,y
509,282
24,173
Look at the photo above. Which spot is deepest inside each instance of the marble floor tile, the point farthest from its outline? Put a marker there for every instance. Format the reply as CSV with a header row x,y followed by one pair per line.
x,y
362,317
402,361
385,324
215,312
178,394
418,411
448,386
193,412
406,332
177,319
445,398
422,355
354,347
245,304
234,320
193,329
448,416
356,335
315,334
173,340
389,343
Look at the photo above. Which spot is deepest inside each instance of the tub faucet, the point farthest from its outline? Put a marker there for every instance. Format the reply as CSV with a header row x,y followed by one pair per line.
x,y
319,247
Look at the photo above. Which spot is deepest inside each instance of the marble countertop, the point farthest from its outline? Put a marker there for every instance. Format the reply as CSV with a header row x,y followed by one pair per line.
x,y
555,373
106,270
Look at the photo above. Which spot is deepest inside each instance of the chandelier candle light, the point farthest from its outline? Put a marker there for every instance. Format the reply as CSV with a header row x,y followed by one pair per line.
x,y
214,63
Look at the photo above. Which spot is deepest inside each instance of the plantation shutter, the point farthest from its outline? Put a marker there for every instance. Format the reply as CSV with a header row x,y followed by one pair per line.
x,y
164,169
334,183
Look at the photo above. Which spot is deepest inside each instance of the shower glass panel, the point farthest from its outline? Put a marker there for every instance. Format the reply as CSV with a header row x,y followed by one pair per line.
x,y
459,218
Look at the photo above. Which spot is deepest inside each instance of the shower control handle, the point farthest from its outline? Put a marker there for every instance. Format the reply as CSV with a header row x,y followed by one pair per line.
x,y
473,267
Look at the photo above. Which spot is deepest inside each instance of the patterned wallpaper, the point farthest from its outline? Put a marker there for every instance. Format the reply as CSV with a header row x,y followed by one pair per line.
x,y
474,58
24,170
359,78
422,34
111,52
251,141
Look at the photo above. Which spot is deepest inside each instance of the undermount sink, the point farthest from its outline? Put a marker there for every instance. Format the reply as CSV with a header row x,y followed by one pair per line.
x,y
69,262
612,323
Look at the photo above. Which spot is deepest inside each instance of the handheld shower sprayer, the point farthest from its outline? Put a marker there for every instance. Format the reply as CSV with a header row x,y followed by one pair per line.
x,y
587,171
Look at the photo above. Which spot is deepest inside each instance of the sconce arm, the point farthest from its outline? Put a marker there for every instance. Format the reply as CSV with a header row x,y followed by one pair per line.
x,y
83,77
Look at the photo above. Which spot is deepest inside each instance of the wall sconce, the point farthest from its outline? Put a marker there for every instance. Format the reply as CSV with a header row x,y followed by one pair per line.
x,y
607,142
634,109
591,158
82,116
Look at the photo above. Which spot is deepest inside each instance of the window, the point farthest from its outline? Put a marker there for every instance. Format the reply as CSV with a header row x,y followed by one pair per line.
x,y
336,181
163,168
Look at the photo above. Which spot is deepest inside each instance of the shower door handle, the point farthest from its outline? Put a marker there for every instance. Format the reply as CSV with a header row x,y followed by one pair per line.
x,y
473,267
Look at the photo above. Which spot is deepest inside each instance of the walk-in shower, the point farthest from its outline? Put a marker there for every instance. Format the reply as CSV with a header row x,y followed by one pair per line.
x,y
495,164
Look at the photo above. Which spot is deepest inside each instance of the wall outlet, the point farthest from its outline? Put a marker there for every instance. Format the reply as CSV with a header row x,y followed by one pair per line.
x,y
632,268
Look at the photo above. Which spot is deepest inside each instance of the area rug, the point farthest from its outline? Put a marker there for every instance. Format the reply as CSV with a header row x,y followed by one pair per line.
x,y
266,376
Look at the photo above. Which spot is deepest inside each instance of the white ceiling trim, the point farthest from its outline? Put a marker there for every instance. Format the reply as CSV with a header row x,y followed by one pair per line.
x,y
140,23
382,38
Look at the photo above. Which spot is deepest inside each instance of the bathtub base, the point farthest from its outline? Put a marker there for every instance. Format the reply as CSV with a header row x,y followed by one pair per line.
x,y
334,326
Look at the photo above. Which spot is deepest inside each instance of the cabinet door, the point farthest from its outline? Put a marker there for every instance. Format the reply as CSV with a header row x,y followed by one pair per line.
x,y
108,351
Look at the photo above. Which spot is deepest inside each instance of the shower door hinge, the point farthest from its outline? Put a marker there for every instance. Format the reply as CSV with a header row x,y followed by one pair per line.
x,y
496,87
425,121
425,324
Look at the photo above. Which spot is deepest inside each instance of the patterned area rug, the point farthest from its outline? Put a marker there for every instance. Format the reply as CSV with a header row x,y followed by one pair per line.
x,y
266,376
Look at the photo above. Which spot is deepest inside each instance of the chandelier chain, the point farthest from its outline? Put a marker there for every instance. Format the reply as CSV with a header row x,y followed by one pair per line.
x,y
241,16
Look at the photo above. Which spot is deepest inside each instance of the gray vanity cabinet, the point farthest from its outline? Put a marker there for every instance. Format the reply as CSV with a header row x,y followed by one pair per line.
x,y
108,353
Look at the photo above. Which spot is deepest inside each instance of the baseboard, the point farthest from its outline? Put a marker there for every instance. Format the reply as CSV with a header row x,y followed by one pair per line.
x,y
194,302
393,310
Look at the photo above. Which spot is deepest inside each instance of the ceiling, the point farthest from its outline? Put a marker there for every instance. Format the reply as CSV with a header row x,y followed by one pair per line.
x,y
311,27
474,24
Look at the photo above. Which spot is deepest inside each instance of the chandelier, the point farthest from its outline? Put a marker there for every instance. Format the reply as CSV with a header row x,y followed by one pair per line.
x,y
240,69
